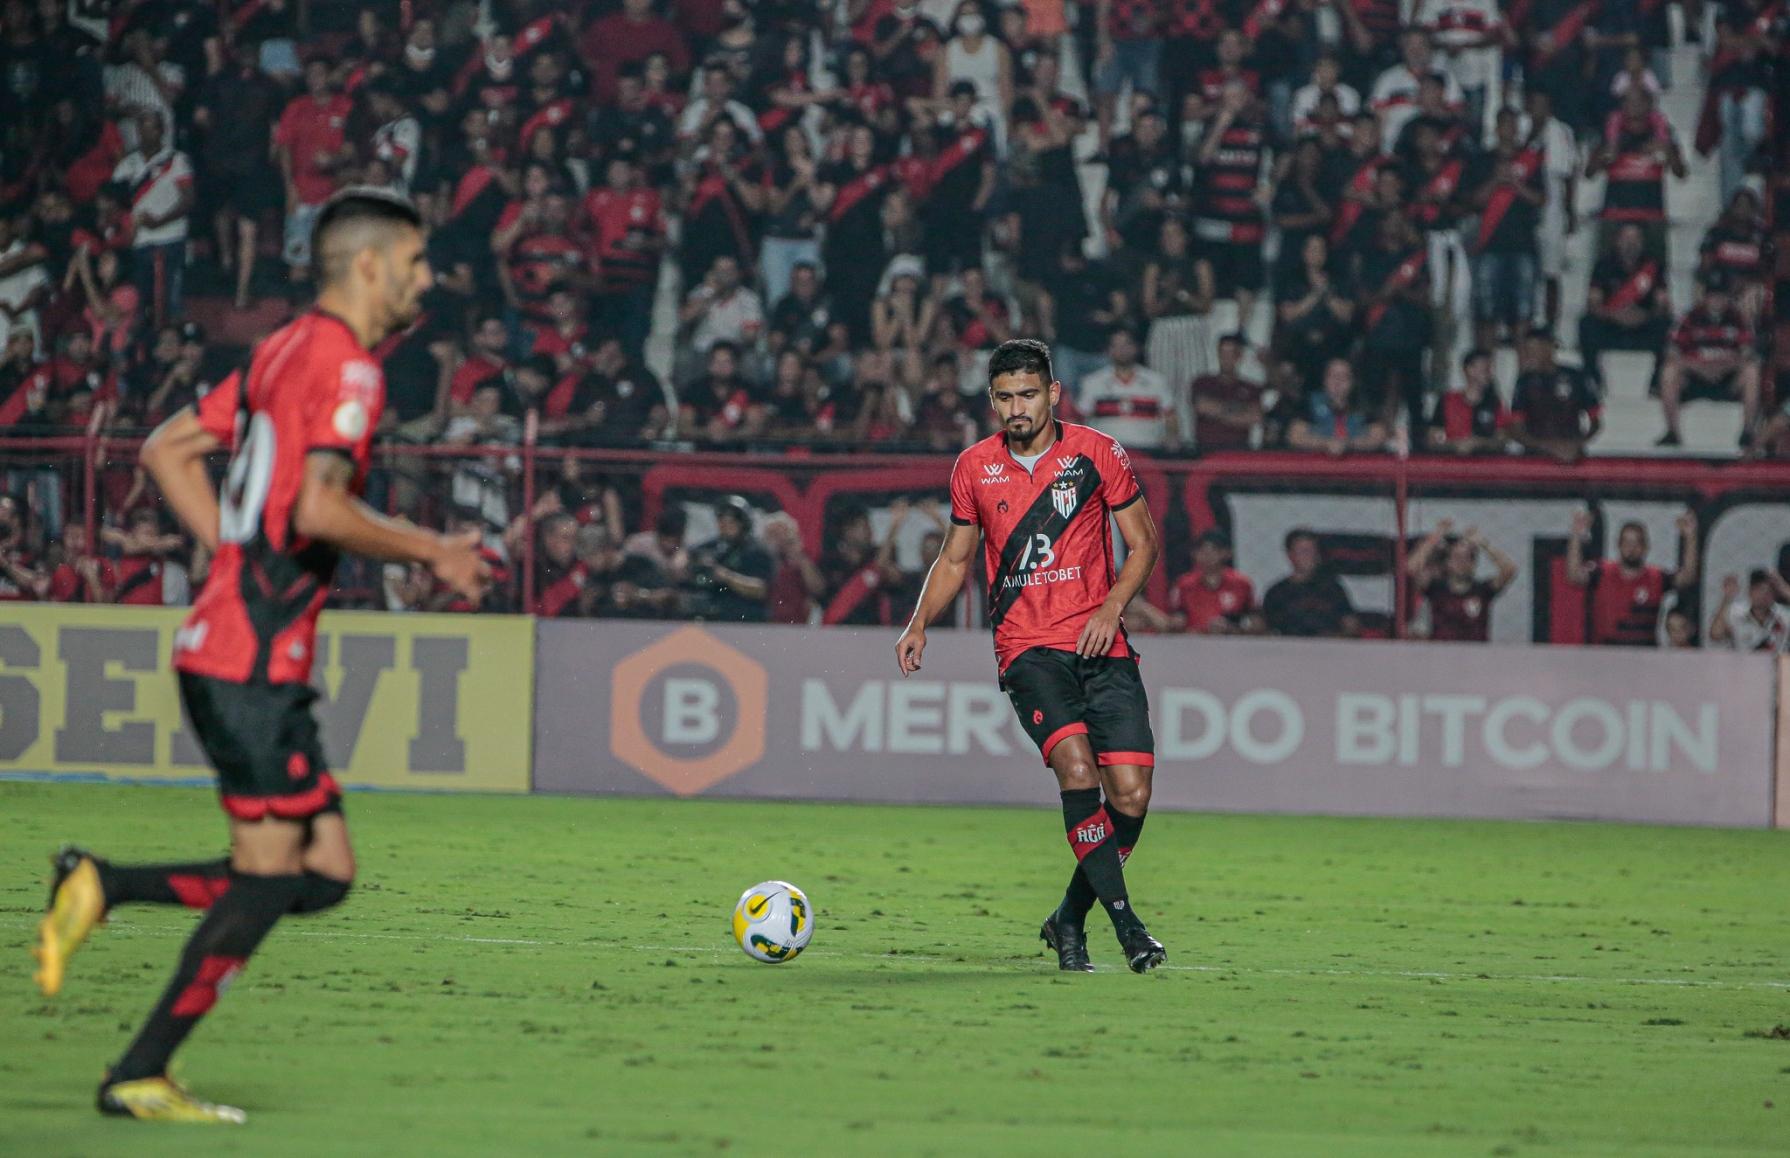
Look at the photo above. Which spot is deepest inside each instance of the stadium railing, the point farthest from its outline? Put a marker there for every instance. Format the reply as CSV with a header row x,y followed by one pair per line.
x,y
1369,512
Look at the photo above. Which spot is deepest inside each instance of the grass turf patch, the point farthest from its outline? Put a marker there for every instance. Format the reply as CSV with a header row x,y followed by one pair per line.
x,y
553,975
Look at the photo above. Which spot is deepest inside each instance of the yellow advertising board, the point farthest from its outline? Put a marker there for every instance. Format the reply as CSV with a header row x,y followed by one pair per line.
x,y
406,701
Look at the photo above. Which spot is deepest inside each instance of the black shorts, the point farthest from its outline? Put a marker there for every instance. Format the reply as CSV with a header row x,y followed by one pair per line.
x,y
1059,694
264,743
1719,388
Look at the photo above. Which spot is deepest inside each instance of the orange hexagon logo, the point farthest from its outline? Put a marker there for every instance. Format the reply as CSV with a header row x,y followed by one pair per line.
x,y
635,747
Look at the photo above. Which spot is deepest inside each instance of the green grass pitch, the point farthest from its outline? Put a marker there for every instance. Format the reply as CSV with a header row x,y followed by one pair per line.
x,y
554,976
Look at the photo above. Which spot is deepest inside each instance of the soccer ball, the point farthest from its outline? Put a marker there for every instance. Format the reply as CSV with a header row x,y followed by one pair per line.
x,y
773,922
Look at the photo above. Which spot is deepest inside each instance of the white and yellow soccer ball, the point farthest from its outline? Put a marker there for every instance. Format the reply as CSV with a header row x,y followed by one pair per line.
x,y
773,922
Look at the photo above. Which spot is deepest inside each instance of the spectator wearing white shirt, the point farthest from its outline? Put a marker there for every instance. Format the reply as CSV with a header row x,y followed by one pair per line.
x,y
144,79
1759,622
1130,402
1326,77
722,309
159,181
1395,92
715,102
398,140
1559,217
1469,34
24,283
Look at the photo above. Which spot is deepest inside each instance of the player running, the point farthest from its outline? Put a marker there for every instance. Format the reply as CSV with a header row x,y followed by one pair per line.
x,y
300,424
1041,492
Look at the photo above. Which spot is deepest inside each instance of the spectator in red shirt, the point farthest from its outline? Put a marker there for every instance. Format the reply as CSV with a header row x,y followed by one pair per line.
x,y
623,225
797,582
82,576
1713,353
1213,598
1624,599
626,37
312,145
1445,570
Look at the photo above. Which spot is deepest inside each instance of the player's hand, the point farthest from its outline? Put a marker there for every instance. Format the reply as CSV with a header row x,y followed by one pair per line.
x,y
1581,524
1444,527
1687,524
461,566
1730,588
908,650
1097,636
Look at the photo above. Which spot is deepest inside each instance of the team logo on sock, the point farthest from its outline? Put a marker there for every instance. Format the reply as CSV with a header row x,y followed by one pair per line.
x,y
1090,834
297,767
1037,716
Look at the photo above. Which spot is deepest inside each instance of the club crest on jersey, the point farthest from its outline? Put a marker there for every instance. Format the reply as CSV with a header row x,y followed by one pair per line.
x,y
1063,497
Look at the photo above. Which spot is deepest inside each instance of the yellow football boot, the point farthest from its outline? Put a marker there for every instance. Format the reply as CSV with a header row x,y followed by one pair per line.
x,y
163,1100
77,904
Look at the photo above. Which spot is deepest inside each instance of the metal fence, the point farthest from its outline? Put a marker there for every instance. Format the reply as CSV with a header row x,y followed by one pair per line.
x,y
1369,513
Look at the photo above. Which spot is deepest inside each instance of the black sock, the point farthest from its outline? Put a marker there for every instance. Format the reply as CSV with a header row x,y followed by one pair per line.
x,y
1079,897
1090,832
197,886
216,952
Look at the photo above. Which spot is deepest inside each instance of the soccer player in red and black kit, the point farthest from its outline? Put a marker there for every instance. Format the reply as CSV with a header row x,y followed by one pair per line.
x,y
1041,494
1623,599
299,421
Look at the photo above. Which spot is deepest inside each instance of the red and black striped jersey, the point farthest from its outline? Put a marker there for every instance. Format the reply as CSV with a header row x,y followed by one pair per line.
x,y
310,387
1636,185
1702,335
1047,545
1227,207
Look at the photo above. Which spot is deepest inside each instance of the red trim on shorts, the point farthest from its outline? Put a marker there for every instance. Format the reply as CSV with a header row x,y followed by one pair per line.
x,y
298,806
1140,759
1063,733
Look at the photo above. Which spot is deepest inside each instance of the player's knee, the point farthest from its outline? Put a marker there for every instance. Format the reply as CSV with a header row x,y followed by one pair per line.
x,y
1077,772
320,893
1131,799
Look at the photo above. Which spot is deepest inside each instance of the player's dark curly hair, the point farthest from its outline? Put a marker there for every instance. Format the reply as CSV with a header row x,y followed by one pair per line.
x,y
1020,356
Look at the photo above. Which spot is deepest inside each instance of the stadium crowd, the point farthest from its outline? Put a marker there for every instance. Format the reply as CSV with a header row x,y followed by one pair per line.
x,y
851,204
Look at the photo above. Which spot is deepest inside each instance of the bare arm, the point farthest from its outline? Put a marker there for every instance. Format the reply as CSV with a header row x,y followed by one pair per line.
x,y
1686,577
1507,567
1578,569
1419,561
327,511
1142,549
175,457
1719,631
943,583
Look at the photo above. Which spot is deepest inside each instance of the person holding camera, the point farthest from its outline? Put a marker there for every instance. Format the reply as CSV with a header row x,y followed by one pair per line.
x,y
730,575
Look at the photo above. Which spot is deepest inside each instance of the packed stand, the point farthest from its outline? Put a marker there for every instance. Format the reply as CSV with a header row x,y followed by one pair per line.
x,y
1314,227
